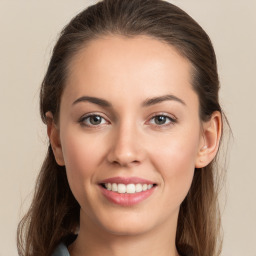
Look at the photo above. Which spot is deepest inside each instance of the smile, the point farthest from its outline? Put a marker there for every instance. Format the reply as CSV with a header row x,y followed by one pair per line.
x,y
127,191
129,188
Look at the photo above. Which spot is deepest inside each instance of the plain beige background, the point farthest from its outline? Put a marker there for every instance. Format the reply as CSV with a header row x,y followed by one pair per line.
x,y
28,30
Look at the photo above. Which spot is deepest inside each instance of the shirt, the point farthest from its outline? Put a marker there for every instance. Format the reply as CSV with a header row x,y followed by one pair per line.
x,y
61,250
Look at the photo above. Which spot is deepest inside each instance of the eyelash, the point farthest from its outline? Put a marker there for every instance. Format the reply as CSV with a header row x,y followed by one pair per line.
x,y
88,116
172,120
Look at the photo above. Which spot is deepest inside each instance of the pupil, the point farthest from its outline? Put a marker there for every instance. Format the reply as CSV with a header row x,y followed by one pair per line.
x,y
95,120
160,119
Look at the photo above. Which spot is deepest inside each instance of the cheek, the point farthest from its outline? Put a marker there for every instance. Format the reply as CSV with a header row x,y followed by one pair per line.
x,y
82,156
175,160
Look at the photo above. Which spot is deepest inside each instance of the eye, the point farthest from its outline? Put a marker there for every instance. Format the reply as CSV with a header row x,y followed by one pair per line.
x,y
92,120
162,120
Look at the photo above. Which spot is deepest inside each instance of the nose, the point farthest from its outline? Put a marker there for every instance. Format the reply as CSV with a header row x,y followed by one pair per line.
x,y
126,147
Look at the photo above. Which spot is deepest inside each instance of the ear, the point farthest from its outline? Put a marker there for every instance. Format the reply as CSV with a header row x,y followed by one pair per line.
x,y
54,137
210,139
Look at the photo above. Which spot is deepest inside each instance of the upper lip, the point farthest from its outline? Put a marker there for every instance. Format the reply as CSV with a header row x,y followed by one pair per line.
x,y
127,180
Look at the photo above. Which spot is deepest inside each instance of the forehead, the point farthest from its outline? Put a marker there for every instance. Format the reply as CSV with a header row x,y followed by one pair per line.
x,y
117,65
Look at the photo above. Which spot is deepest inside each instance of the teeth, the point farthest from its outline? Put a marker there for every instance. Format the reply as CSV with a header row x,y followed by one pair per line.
x,y
138,187
109,186
144,187
121,188
129,189
150,186
114,187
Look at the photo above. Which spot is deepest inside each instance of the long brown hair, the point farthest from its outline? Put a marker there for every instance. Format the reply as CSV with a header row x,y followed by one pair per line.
x,y
54,212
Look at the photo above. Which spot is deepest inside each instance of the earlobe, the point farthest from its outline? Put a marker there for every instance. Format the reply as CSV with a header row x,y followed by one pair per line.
x,y
54,137
211,134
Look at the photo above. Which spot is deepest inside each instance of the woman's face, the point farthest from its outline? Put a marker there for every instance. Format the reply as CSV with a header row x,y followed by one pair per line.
x,y
129,115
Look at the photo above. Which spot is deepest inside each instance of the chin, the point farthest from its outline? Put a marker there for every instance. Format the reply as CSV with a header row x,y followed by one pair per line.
x,y
127,230
127,224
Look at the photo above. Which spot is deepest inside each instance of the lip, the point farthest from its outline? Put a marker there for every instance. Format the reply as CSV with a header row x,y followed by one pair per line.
x,y
126,199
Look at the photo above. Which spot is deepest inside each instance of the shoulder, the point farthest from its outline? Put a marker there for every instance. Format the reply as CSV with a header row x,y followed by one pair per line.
x,y
61,250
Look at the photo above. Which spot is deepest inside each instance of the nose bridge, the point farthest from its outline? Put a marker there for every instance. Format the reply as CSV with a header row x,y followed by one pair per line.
x,y
126,145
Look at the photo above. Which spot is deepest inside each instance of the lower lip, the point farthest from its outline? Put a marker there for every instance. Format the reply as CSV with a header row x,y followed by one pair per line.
x,y
127,199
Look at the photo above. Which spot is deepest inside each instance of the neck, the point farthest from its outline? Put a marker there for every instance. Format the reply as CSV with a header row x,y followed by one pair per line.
x,y
93,240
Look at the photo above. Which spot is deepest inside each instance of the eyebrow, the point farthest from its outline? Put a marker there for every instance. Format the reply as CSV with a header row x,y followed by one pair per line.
x,y
156,100
97,101
146,103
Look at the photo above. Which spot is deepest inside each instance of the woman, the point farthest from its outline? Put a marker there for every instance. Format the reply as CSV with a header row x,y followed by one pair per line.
x,y
130,99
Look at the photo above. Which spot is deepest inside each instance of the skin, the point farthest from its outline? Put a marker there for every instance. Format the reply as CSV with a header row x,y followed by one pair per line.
x,y
128,141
